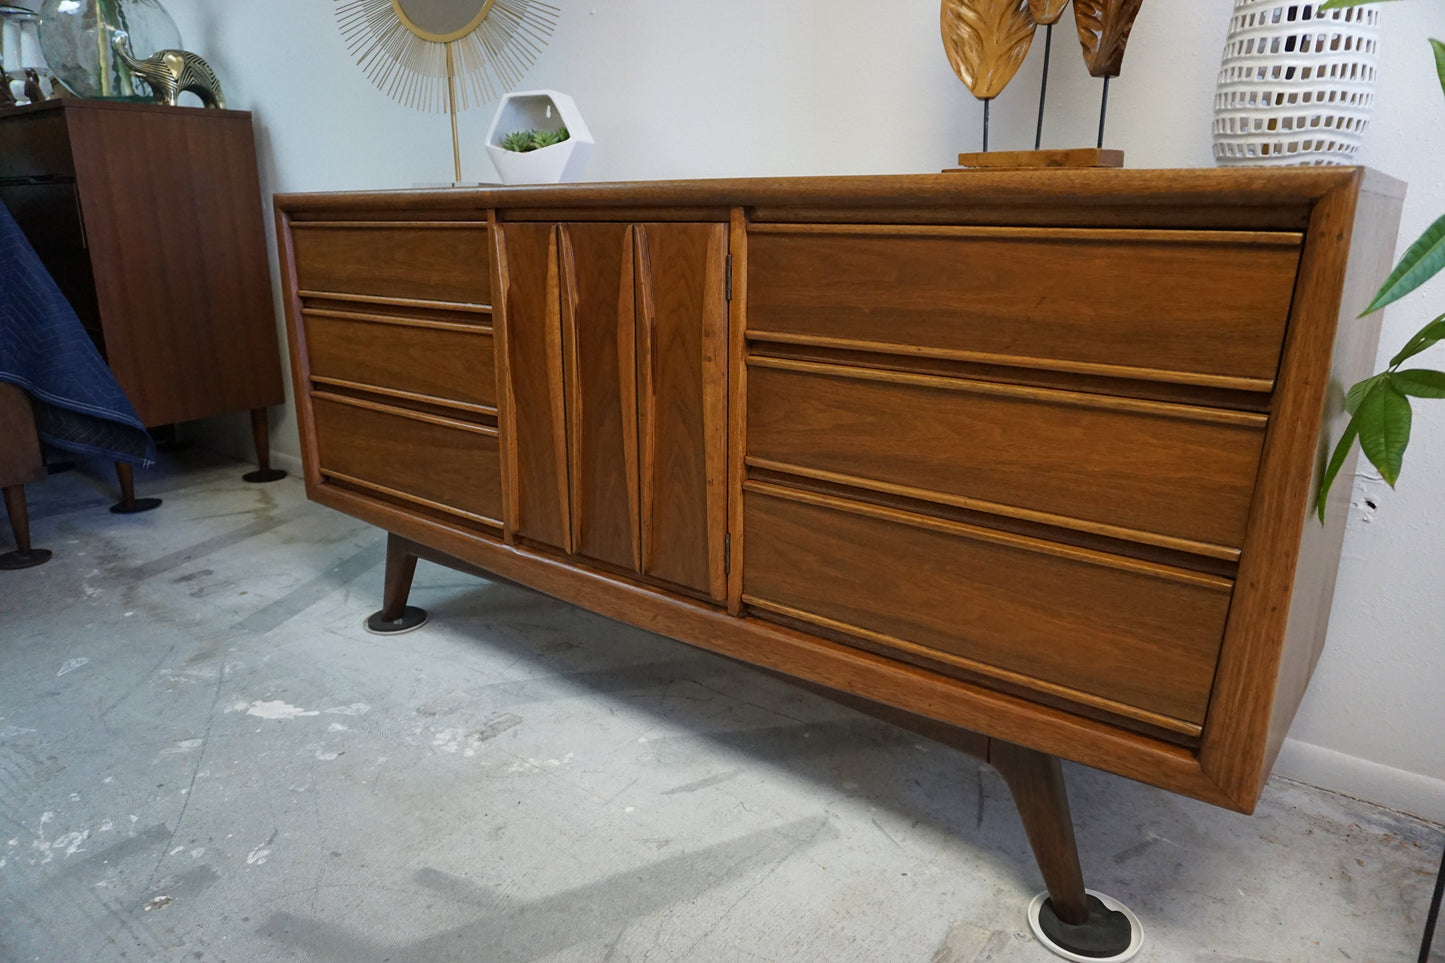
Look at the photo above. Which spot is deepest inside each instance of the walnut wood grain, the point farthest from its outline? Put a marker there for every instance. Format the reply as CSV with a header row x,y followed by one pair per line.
x,y
445,461
1279,199
529,285
449,363
1006,605
1150,468
1228,226
178,289
737,375
1186,304
600,368
986,42
1036,781
1277,628
801,654
432,261
682,362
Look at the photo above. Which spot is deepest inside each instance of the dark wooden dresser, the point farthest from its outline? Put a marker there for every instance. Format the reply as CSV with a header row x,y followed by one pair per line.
x,y
1023,461
151,220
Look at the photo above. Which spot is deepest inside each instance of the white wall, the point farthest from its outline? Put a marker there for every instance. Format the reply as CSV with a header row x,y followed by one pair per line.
x,y
682,89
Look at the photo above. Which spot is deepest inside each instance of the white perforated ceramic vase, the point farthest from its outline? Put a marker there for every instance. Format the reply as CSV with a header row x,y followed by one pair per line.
x,y
1297,85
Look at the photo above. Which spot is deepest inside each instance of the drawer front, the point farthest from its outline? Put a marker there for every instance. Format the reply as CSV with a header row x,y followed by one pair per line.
x,y
35,145
451,362
1141,467
439,261
1127,635
1189,303
438,462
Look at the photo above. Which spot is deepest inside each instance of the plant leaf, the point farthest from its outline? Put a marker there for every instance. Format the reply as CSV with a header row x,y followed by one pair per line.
x,y
986,41
1420,340
1352,431
1419,382
1341,4
1439,49
1421,262
1384,426
1356,394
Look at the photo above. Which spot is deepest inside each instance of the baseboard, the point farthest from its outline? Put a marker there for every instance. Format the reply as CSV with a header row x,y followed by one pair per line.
x,y
291,463
1397,789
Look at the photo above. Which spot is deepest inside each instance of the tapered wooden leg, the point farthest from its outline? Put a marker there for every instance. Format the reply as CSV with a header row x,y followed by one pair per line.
x,y
261,434
129,504
395,615
1036,781
1070,920
24,556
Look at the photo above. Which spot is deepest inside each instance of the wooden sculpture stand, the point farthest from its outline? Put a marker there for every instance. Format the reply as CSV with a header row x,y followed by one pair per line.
x,y
1076,158
1021,461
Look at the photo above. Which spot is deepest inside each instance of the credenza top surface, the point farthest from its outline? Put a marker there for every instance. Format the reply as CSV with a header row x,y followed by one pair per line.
x,y
1278,198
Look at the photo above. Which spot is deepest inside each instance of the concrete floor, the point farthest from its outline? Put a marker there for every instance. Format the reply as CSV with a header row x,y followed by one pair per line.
x,y
204,757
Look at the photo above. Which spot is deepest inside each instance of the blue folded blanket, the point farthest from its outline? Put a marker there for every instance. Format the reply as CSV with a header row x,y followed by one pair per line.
x,y
44,349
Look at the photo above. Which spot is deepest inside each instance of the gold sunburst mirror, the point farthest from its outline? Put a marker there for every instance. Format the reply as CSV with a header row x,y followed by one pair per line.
x,y
445,55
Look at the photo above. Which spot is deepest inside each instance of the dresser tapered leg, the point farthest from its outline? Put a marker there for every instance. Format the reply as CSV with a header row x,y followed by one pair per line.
x,y
395,615
261,435
24,556
129,504
1069,921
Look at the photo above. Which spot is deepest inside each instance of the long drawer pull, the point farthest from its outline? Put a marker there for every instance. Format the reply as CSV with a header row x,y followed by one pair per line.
x,y
404,413
981,534
1162,409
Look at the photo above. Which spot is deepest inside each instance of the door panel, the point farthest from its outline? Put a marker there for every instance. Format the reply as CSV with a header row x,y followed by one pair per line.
x,y
599,350
682,358
535,420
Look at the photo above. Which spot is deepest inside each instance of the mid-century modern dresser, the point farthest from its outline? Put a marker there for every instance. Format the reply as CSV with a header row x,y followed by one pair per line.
x,y
1025,461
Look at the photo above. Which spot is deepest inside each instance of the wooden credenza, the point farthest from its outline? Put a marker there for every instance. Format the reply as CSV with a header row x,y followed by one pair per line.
x,y
150,219
1024,461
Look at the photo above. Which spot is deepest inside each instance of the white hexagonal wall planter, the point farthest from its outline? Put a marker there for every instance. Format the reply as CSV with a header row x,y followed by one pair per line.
x,y
539,110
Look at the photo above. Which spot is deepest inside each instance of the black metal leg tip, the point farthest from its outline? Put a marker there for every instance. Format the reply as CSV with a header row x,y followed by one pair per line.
x,y
411,618
12,561
261,475
1111,934
135,507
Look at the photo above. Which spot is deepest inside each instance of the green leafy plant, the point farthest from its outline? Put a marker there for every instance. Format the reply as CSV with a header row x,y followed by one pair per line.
x,y
1379,406
522,141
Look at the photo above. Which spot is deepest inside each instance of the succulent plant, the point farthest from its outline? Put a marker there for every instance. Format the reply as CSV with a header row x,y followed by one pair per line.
x,y
522,141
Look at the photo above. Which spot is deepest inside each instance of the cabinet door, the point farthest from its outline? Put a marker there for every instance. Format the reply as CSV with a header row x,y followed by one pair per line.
x,y
535,428
682,407
599,352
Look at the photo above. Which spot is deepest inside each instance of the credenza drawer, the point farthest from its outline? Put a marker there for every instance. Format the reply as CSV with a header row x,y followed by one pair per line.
x,y
426,261
1188,306
1032,613
1139,469
447,361
440,463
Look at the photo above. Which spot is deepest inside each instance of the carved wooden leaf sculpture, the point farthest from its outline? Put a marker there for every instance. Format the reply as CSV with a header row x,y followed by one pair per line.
x,y
1047,11
986,41
1104,27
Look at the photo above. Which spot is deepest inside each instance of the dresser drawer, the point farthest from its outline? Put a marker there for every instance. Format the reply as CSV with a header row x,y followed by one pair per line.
x,y
436,462
425,261
446,361
1195,307
1143,470
1107,630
